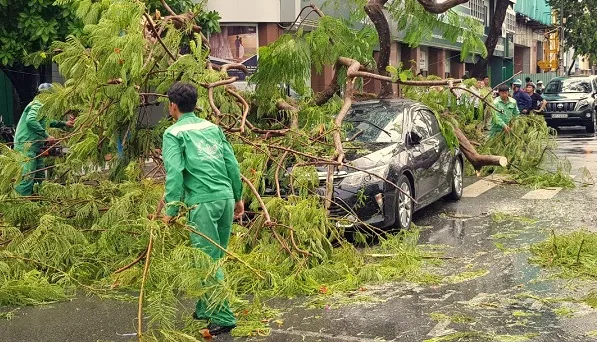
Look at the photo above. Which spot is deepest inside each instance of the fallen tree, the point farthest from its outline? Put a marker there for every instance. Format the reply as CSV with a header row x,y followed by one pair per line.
x,y
98,232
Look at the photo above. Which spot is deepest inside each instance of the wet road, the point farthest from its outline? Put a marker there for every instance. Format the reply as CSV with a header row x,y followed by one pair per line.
x,y
579,147
491,292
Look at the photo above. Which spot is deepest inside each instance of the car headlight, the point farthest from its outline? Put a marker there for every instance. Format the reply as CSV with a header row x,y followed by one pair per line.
x,y
581,104
371,176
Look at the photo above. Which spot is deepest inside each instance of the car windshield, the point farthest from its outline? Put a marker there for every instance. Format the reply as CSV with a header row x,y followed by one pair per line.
x,y
374,124
569,85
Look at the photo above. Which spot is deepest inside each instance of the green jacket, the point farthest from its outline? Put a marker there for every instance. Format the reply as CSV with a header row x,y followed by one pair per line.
x,y
507,111
32,129
200,164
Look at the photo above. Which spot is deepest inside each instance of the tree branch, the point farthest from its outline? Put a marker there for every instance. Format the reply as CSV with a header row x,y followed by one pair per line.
x,y
332,88
374,10
245,106
167,7
281,104
268,219
227,252
440,7
142,289
152,27
277,174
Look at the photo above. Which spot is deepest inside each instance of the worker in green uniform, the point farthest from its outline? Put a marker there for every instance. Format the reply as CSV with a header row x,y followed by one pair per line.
x,y
202,172
507,110
30,137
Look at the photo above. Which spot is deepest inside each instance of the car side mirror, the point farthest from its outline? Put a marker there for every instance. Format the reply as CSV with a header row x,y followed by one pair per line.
x,y
414,139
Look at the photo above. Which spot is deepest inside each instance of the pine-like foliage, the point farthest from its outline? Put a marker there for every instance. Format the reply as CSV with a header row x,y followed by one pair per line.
x,y
89,229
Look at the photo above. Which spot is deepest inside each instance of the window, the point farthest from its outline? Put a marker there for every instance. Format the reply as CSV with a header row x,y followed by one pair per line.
x,y
477,8
424,124
432,120
510,21
376,123
569,85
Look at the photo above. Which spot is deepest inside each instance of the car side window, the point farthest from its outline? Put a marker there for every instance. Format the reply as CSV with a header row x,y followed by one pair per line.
x,y
432,122
595,85
421,125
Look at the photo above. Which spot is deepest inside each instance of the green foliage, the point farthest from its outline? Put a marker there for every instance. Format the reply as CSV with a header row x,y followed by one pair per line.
x,y
30,26
416,25
10,168
81,234
289,59
580,25
530,147
572,255
32,288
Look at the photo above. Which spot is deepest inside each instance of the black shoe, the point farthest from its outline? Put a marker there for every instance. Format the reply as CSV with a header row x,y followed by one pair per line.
x,y
199,318
215,329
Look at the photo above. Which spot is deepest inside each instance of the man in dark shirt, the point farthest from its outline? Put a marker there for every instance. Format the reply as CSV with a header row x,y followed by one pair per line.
x,y
523,100
538,101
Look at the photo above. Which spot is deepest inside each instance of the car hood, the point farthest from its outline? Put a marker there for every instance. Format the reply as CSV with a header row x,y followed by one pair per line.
x,y
565,96
367,156
371,155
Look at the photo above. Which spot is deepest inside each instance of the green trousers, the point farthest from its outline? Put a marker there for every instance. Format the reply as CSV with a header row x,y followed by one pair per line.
x,y
214,219
25,187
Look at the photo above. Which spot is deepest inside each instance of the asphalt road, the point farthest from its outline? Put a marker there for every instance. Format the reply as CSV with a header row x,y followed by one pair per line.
x,y
484,234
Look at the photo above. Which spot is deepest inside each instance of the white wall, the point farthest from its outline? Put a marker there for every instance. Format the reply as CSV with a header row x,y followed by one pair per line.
x,y
247,11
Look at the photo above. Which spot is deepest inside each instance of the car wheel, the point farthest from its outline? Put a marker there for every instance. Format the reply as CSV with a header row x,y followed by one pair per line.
x,y
457,180
591,127
404,203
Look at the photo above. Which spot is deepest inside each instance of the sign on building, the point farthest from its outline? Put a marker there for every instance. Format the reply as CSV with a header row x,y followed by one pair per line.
x,y
235,44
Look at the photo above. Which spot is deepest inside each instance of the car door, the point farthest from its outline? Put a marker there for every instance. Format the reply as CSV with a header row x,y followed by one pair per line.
x,y
443,165
424,155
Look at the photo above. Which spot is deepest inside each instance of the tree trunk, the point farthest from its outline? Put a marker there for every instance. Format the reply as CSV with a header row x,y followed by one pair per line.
x,y
331,89
25,80
571,65
374,9
476,159
495,33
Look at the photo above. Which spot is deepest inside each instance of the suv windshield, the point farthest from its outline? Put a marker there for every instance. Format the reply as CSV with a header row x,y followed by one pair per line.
x,y
378,123
569,85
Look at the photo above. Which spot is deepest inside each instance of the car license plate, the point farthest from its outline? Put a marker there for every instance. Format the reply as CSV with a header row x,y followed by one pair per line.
x,y
559,116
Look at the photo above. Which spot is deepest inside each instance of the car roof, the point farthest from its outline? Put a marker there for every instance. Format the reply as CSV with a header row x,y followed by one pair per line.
x,y
559,78
390,102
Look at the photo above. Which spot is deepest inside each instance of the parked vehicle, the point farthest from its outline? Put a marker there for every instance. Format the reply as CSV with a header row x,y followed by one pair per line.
x,y
571,102
399,140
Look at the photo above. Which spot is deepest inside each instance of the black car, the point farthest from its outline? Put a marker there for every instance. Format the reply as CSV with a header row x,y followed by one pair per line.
x,y
401,141
571,102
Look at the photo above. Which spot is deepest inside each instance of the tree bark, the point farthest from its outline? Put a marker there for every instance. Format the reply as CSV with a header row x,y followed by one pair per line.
x,y
476,159
331,89
434,7
495,33
374,9
571,65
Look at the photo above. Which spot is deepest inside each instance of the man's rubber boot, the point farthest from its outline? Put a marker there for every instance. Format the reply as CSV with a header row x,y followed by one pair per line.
x,y
215,329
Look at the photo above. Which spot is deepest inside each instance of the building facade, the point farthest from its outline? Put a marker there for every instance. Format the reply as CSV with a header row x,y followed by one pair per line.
x,y
519,48
533,22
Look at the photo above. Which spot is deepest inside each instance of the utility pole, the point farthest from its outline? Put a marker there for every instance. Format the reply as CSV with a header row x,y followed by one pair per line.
x,y
562,52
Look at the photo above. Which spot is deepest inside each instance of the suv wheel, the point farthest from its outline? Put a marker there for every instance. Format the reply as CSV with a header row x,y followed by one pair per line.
x,y
591,127
404,203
